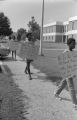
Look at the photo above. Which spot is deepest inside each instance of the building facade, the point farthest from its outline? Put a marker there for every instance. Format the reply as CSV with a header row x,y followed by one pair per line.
x,y
59,32
53,32
72,29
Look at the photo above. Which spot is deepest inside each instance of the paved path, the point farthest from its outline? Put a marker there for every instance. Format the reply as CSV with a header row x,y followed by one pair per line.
x,y
41,101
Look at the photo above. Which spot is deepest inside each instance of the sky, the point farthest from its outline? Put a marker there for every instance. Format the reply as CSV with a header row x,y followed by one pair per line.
x,y
20,12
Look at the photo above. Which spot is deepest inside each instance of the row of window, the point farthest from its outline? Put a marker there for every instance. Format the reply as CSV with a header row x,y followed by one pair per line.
x,y
48,38
48,29
54,28
58,38
59,28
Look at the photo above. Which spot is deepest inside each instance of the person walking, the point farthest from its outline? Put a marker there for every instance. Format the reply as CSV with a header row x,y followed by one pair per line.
x,y
29,61
68,81
14,51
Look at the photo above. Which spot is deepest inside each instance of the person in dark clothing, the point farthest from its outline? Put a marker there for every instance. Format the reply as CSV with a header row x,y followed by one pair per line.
x,y
28,61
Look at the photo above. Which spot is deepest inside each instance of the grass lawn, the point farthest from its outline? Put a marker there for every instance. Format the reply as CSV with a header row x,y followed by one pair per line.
x,y
48,64
11,99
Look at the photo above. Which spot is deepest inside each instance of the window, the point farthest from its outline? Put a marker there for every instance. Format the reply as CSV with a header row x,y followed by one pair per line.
x,y
52,28
72,36
52,38
72,25
49,29
49,37
67,28
46,37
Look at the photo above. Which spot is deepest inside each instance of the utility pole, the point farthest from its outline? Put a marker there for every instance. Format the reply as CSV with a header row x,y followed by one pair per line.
x,y
41,31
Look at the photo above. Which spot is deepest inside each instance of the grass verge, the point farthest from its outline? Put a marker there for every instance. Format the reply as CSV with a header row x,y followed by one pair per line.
x,y
48,65
11,99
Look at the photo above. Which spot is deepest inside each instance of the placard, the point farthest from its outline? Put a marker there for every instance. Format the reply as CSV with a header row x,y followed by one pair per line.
x,y
68,63
13,45
28,51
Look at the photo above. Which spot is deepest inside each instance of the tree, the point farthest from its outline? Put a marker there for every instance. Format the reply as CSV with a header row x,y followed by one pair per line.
x,y
14,35
5,29
21,34
34,27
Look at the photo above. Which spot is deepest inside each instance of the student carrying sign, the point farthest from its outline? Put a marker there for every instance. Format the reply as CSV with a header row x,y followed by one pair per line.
x,y
28,51
13,45
29,60
68,72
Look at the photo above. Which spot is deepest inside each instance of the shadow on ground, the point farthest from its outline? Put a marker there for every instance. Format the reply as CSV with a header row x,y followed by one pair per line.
x,y
54,79
6,59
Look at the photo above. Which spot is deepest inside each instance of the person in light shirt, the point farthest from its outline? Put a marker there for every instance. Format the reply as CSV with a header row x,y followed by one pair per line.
x,y
68,81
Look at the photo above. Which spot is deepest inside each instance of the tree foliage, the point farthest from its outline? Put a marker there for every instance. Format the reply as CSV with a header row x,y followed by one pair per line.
x,y
34,27
21,34
5,29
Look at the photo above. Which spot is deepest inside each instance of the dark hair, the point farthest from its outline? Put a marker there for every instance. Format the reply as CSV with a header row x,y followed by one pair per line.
x,y
9,37
70,40
13,37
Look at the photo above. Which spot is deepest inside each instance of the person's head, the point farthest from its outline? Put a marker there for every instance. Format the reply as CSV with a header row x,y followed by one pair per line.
x,y
13,37
29,36
9,37
71,43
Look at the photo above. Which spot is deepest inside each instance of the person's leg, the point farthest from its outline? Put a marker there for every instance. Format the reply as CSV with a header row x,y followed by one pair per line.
x,y
12,54
60,87
15,54
72,90
28,68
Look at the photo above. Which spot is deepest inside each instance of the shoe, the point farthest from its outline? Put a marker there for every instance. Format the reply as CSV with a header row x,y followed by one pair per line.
x,y
30,78
75,106
57,96
25,72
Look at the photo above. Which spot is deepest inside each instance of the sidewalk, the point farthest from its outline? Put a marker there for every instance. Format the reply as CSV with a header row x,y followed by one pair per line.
x,y
40,98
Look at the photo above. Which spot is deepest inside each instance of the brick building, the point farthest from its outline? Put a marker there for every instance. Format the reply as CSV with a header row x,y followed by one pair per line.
x,y
72,28
59,32
53,32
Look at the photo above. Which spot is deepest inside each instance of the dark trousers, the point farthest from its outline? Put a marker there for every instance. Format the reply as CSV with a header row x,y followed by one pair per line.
x,y
14,53
70,84
27,69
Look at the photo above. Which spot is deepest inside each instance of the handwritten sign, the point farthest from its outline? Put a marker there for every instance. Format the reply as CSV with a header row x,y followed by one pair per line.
x,y
28,51
13,45
68,63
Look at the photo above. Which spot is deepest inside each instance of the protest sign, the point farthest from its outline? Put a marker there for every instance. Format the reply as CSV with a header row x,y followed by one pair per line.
x,y
68,63
13,45
22,49
28,51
